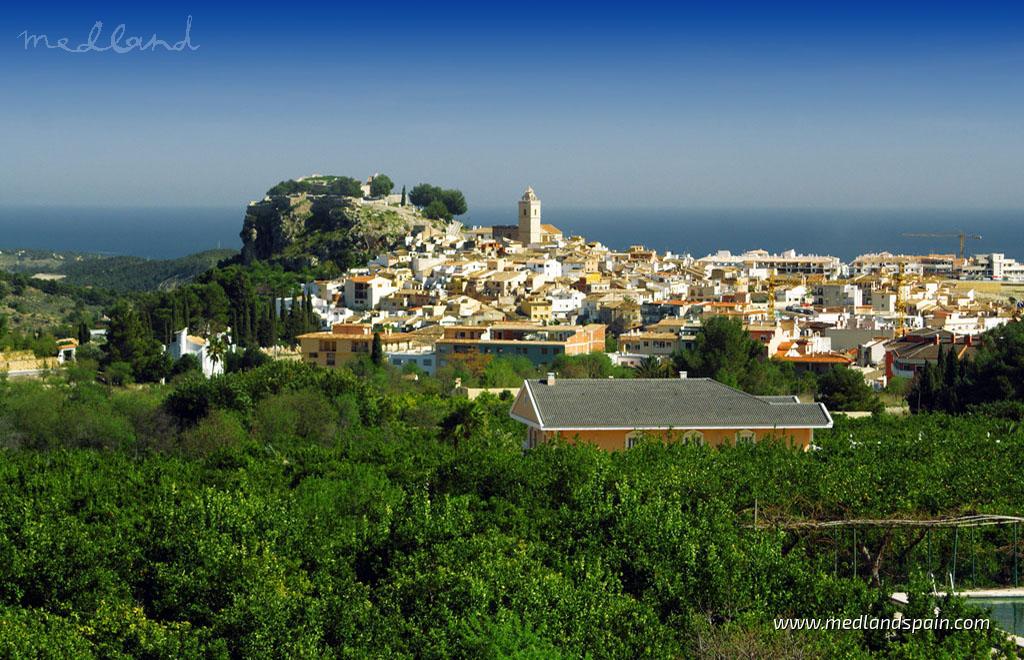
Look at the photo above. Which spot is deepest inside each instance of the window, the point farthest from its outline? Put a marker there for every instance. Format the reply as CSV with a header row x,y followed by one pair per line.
x,y
428,363
696,437
633,439
745,436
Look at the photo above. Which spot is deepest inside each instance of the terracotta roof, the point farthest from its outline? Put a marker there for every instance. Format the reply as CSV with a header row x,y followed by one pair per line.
x,y
814,358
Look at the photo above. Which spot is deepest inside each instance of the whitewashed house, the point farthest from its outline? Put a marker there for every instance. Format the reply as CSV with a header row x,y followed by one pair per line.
x,y
183,343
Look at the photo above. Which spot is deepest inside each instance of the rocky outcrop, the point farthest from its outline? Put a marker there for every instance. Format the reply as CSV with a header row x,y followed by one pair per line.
x,y
306,230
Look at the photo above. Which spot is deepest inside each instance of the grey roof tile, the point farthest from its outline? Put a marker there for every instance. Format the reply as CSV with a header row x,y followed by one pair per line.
x,y
637,403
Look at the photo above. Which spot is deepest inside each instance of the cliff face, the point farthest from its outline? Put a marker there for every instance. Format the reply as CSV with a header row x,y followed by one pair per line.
x,y
305,230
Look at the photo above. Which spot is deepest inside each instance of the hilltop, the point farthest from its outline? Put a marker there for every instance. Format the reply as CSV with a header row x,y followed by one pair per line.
x,y
324,222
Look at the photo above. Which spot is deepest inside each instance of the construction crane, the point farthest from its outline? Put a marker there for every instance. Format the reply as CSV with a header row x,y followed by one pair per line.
x,y
963,236
901,303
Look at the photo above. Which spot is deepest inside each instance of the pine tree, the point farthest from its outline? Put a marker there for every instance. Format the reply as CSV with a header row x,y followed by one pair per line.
x,y
403,195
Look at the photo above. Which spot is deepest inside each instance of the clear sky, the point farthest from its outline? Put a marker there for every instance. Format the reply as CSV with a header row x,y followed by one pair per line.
x,y
718,104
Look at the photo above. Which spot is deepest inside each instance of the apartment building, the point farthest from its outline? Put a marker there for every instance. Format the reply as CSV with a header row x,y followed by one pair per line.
x,y
539,344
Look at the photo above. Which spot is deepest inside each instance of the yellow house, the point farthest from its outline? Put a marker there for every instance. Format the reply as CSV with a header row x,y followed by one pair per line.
x,y
538,311
345,342
613,414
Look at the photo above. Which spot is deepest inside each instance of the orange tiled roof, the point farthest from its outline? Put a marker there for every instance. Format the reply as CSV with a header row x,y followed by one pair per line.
x,y
823,358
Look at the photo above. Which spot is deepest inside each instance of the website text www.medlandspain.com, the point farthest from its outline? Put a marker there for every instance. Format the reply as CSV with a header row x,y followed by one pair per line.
x,y
865,622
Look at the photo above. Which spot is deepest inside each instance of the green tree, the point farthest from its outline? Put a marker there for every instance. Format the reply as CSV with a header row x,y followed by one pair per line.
x,y
84,336
216,348
998,370
725,352
842,388
377,350
436,210
921,396
130,341
454,201
423,194
381,186
347,187
403,196
186,364
652,367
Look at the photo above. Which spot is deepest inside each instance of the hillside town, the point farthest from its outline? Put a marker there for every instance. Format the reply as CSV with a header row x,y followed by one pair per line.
x,y
528,289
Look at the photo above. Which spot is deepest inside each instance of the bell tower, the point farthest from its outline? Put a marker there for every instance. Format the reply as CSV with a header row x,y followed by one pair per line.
x,y
529,218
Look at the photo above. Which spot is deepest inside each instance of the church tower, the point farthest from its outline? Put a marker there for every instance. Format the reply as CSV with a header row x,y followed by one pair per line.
x,y
529,218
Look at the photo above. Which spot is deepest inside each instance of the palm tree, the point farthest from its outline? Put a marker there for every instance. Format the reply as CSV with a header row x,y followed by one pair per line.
x,y
216,348
651,367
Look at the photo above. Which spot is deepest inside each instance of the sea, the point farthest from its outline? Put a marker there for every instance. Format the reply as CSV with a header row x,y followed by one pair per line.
x,y
161,233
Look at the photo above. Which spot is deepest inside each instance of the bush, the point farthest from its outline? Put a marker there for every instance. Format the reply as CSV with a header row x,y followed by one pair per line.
x,y
218,431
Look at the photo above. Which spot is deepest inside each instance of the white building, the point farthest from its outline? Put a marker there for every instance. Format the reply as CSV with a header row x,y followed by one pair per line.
x,y
550,268
994,266
566,302
183,343
787,263
425,359
366,291
838,295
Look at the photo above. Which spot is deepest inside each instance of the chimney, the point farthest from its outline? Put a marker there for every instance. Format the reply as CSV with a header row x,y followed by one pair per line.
x,y
682,375
550,379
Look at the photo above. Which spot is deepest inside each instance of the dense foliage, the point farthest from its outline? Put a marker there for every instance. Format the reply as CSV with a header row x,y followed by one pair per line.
x,y
381,186
726,352
322,185
293,511
124,274
993,380
244,299
34,312
438,202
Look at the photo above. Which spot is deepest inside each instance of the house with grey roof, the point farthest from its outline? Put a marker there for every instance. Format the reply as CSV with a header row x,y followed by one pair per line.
x,y
614,413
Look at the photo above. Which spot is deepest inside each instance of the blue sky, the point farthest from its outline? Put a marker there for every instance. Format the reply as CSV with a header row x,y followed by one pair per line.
x,y
826,104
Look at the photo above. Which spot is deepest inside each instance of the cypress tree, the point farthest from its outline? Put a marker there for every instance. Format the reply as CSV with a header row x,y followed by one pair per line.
x,y
951,381
377,350
83,333
272,341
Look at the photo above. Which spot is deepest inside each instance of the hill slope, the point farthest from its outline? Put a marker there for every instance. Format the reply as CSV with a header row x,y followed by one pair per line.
x,y
118,273
137,274
313,231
